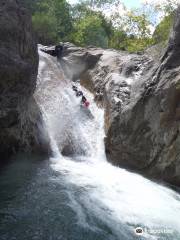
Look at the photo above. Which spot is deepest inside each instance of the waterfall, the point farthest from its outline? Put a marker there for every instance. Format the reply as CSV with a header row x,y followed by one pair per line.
x,y
100,194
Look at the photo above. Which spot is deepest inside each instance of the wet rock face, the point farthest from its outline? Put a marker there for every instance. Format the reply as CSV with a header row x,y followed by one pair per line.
x,y
144,135
141,97
20,116
75,61
171,57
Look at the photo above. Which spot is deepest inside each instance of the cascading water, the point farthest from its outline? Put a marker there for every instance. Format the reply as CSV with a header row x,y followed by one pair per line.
x,y
120,199
78,195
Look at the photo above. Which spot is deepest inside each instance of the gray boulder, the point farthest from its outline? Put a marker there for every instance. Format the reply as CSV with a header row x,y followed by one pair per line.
x,y
144,135
20,117
141,97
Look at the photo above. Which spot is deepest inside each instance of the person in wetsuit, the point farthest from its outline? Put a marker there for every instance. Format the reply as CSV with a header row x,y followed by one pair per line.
x,y
59,50
79,93
83,99
74,88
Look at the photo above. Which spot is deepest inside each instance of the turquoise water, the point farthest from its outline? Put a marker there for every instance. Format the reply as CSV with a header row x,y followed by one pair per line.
x,y
80,197
38,202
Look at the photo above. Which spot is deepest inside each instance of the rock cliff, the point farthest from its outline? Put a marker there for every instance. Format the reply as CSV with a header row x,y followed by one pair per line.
x,y
141,97
144,135
20,116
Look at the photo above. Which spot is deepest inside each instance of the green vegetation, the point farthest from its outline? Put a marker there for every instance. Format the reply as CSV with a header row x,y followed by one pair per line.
x,y
162,31
52,20
44,28
91,28
85,24
90,32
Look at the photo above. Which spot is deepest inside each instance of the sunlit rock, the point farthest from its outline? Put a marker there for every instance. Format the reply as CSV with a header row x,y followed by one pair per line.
x,y
141,95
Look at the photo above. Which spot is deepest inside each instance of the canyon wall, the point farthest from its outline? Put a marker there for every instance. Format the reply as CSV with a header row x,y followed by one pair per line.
x,y
20,117
141,97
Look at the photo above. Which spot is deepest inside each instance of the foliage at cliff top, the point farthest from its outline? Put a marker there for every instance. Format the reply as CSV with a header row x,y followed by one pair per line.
x,y
87,23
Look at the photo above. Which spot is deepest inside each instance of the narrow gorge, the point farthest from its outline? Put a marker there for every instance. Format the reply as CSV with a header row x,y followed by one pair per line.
x,y
140,95
97,173
20,117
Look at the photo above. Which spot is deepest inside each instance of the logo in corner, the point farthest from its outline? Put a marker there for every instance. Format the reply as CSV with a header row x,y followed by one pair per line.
x,y
139,231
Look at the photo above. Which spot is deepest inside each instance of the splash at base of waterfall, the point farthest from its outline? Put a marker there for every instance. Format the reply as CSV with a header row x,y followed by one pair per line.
x,y
79,196
118,199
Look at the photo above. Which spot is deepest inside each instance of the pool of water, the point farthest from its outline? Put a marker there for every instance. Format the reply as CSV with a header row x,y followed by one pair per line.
x,y
64,198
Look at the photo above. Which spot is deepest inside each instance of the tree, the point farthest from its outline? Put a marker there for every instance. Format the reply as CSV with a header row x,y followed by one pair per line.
x,y
87,23
61,11
52,20
90,26
44,28
90,31
162,31
137,28
167,6
118,39
100,3
32,5
137,24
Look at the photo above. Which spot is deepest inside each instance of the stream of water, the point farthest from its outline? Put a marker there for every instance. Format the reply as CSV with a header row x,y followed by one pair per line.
x,y
80,196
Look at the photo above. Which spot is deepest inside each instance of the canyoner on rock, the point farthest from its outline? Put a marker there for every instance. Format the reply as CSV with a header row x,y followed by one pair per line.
x,y
75,193
21,125
64,113
140,94
108,202
145,136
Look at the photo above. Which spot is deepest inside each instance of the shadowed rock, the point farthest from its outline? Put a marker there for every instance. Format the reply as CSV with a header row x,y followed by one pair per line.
x,y
20,117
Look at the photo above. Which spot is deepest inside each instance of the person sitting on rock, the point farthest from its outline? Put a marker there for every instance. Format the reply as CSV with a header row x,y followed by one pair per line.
x,y
59,50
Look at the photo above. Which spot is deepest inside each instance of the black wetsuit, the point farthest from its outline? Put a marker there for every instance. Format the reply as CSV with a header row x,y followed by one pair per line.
x,y
83,99
74,88
79,93
58,51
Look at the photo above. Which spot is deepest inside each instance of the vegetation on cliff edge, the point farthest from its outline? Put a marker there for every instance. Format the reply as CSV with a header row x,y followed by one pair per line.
x,y
89,23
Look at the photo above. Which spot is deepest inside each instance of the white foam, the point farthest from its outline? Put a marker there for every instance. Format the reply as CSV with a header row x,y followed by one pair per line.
x,y
113,195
